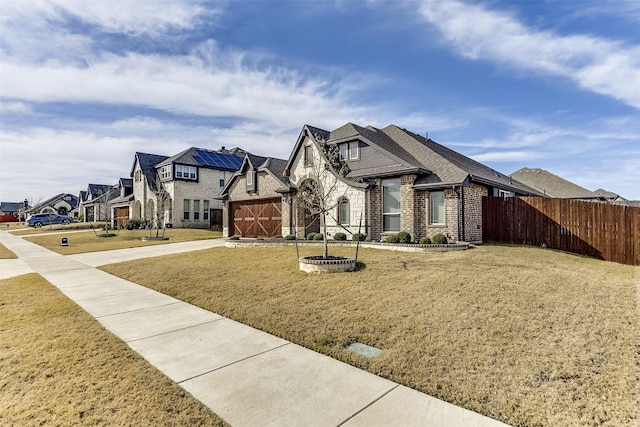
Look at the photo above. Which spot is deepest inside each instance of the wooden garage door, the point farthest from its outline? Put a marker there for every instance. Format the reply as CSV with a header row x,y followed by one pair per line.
x,y
257,218
122,215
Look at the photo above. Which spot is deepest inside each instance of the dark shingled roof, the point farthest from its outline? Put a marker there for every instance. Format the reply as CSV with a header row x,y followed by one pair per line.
x,y
437,165
148,164
552,185
11,206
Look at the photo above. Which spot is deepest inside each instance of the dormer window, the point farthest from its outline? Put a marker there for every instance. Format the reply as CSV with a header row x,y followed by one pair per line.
x,y
349,150
186,172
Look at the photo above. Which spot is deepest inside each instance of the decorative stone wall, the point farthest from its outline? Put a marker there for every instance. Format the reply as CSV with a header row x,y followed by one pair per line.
x,y
356,196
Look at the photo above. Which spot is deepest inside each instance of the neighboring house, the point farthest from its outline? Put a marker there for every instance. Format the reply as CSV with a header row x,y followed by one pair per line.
x,y
62,204
252,197
608,196
11,211
94,205
145,184
121,205
398,181
181,190
552,185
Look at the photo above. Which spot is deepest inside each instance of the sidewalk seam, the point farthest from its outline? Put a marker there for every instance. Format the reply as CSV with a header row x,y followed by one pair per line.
x,y
166,332
369,405
235,362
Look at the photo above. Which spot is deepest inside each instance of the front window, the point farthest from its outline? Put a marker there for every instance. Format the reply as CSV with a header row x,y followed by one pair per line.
x,y
138,175
205,210
196,209
221,179
308,155
436,207
185,172
391,205
165,172
344,212
186,209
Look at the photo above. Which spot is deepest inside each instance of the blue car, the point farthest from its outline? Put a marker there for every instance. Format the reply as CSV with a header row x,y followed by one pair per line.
x,y
38,220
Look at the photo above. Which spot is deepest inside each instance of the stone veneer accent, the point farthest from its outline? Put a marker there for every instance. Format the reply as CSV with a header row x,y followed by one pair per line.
x,y
320,266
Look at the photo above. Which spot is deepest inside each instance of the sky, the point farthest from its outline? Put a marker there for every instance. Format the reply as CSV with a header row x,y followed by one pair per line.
x,y
85,84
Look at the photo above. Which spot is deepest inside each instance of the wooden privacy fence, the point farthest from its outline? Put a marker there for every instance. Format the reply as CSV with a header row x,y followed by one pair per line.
x,y
599,230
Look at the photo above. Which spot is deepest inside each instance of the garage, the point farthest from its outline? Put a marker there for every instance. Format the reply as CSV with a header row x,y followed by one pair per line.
x,y
121,215
257,218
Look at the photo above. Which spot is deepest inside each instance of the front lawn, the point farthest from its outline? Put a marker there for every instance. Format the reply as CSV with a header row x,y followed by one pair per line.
x,y
5,253
88,241
523,335
60,367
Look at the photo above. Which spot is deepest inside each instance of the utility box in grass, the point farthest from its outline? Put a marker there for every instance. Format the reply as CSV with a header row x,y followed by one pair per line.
x,y
64,241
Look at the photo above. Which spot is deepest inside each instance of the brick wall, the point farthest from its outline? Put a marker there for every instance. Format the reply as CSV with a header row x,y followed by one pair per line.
x,y
407,204
473,211
375,200
451,208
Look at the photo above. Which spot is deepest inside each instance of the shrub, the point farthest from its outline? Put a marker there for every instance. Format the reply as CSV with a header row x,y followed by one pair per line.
x,y
392,239
290,237
279,236
403,237
425,241
135,224
310,236
339,236
234,238
439,239
318,236
358,237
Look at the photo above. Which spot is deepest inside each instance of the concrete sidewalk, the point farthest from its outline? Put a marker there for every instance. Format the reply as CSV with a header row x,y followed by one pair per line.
x,y
246,376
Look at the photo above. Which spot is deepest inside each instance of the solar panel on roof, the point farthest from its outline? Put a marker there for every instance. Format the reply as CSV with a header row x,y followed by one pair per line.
x,y
219,160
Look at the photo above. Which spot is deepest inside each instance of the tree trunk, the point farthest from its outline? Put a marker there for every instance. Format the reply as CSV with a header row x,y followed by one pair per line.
x,y
325,251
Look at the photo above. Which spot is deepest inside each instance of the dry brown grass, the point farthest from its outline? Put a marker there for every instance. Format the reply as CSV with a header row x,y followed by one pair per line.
x,y
524,335
88,241
60,367
6,253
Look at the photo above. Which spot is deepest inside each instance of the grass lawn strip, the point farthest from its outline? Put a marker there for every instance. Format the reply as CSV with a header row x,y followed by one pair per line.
x,y
60,367
89,242
523,335
6,253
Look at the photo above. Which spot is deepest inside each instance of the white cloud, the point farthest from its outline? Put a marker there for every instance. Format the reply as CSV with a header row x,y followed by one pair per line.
x,y
603,66
507,156
15,107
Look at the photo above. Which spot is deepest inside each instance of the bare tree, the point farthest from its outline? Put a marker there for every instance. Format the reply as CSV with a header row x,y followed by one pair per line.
x,y
319,193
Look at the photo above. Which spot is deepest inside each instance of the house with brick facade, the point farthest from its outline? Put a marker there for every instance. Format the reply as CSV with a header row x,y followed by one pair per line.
x,y
253,205
397,180
181,190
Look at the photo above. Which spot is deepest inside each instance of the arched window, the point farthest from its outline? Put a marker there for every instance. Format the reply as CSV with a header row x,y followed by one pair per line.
x,y
344,211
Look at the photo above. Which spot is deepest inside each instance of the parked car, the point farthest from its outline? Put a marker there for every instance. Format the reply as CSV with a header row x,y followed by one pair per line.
x,y
38,220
